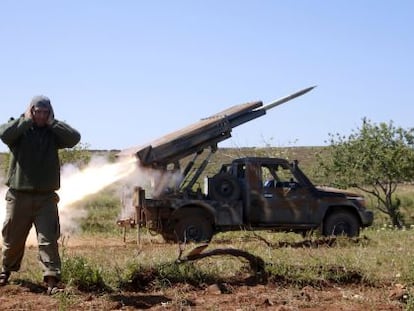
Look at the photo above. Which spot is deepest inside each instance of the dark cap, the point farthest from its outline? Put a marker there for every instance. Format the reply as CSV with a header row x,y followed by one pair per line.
x,y
41,102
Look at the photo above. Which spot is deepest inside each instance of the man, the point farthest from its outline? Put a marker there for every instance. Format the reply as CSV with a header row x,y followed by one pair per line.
x,y
33,177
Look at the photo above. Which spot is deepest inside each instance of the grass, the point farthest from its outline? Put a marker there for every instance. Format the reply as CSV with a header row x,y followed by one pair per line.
x,y
103,262
97,260
79,272
105,265
102,210
385,257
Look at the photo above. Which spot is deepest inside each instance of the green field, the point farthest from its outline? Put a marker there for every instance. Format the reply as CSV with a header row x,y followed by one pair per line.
x,y
98,260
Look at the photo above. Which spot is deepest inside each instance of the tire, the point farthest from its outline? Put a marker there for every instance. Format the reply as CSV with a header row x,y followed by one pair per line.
x,y
224,187
193,225
341,223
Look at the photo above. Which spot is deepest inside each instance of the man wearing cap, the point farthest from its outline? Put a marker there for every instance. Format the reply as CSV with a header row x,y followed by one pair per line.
x,y
33,177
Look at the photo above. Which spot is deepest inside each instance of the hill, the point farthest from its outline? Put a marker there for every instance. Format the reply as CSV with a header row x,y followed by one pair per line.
x,y
305,155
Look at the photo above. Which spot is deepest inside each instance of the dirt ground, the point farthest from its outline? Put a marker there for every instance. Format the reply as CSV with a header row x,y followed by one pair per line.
x,y
21,295
239,293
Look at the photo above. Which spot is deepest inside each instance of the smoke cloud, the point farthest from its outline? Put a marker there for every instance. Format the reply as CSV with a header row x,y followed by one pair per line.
x,y
76,184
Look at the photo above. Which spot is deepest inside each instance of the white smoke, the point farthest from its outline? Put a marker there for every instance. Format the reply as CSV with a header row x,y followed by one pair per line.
x,y
76,184
154,181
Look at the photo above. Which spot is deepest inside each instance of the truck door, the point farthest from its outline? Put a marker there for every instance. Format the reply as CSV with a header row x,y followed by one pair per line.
x,y
253,198
282,200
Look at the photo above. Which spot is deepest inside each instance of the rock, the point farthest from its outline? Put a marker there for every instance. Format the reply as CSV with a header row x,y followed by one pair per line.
x,y
214,289
398,292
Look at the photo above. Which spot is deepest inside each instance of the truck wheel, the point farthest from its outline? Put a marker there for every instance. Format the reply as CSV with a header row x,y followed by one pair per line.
x,y
341,223
193,226
224,187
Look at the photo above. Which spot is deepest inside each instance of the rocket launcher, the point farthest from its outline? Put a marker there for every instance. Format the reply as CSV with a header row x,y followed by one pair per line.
x,y
204,134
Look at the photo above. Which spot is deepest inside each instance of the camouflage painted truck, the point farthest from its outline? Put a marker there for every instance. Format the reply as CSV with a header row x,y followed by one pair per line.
x,y
250,193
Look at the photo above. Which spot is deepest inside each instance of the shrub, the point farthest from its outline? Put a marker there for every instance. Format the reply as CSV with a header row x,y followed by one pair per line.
x,y
79,272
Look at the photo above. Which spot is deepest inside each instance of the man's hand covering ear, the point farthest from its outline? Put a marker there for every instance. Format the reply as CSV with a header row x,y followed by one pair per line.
x,y
28,113
51,118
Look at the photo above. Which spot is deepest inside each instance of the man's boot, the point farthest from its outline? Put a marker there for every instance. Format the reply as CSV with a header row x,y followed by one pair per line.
x,y
52,285
4,278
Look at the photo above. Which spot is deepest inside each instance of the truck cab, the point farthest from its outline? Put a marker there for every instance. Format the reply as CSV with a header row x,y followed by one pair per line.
x,y
278,195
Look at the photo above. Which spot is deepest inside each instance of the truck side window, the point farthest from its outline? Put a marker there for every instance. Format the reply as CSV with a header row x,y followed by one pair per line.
x,y
267,177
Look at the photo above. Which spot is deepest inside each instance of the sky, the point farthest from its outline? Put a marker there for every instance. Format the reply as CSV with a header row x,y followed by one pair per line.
x,y
126,72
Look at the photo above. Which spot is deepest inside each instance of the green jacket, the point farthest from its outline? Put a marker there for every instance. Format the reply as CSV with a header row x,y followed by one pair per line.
x,y
34,160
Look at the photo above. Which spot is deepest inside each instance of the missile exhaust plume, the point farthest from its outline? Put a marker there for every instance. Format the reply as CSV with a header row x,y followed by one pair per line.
x,y
77,184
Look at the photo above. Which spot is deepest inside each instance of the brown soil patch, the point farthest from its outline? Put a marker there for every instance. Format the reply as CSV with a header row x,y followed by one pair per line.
x,y
213,297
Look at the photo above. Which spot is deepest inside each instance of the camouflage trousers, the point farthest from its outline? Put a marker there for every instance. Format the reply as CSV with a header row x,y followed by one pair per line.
x,y
23,210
